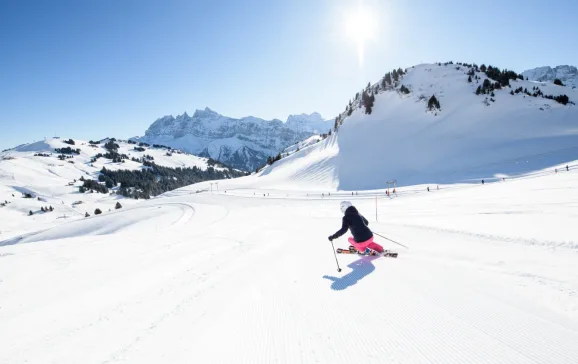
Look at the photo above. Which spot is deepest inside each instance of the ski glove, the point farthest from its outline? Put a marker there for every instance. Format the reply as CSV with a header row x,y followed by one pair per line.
x,y
331,238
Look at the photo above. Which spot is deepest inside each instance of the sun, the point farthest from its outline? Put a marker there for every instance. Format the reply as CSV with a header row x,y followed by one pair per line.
x,y
360,26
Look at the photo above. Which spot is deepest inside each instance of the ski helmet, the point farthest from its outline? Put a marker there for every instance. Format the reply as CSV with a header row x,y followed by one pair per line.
x,y
345,205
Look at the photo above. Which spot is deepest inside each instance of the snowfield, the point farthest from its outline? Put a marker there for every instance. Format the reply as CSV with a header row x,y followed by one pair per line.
x,y
232,277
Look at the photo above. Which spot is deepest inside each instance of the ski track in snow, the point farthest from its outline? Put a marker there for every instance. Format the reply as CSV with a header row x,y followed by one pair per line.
x,y
572,245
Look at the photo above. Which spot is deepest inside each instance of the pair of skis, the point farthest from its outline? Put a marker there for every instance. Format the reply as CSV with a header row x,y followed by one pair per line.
x,y
368,252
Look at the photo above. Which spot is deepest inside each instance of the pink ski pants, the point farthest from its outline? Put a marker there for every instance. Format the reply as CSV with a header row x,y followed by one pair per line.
x,y
365,244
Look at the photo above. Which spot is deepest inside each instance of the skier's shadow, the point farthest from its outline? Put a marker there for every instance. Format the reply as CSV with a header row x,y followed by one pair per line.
x,y
359,269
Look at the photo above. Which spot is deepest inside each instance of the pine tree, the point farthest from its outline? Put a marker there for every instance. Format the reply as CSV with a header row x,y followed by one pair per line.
x,y
97,212
51,208
470,79
479,90
42,209
30,213
86,215
433,103
558,82
367,101
118,206
388,78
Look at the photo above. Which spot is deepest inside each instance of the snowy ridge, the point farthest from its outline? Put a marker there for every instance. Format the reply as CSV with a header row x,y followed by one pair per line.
x,y
241,143
567,74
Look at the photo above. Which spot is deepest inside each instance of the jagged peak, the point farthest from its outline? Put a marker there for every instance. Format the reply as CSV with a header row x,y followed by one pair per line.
x,y
166,118
313,117
206,113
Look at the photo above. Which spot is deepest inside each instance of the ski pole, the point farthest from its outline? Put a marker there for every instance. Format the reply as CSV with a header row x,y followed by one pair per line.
x,y
336,261
393,241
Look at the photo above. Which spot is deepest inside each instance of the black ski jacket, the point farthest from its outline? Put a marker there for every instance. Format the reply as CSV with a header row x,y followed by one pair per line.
x,y
353,221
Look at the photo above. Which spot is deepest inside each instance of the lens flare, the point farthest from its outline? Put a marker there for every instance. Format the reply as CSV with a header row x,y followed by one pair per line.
x,y
360,26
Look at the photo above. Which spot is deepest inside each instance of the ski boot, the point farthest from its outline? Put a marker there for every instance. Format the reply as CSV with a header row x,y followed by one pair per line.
x,y
367,251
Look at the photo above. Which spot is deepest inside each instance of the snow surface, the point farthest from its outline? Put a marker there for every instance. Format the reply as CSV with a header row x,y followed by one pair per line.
x,y
236,277
48,178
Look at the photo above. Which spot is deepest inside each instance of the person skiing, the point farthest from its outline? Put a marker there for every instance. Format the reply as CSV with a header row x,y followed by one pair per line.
x,y
362,238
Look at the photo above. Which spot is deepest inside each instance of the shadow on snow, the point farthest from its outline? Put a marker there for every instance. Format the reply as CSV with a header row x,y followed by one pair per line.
x,y
359,269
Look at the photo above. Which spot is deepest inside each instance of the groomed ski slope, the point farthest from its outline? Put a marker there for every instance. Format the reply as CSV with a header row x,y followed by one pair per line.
x,y
490,277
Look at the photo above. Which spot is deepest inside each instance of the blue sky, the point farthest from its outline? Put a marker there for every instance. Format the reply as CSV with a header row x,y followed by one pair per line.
x,y
90,69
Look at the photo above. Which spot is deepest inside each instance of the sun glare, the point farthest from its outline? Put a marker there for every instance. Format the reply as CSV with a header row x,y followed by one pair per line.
x,y
360,26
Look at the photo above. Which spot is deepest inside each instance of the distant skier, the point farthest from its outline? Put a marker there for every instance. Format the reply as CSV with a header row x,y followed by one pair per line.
x,y
362,236
567,168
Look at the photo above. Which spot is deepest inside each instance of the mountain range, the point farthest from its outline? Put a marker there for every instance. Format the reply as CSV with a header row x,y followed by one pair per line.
x,y
567,74
243,143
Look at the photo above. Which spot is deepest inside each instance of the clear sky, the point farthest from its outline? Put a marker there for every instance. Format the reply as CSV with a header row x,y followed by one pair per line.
x,y
90,69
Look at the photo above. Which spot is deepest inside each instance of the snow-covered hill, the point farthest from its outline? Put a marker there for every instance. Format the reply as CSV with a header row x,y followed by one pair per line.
x,y
471,138
54,182
567,74
241,143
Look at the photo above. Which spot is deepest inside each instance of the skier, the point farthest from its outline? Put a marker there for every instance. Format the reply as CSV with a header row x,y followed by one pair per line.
x,y
362,238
